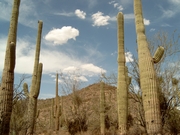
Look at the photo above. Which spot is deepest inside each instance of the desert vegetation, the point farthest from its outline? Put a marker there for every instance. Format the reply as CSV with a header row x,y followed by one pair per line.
x,y
142,98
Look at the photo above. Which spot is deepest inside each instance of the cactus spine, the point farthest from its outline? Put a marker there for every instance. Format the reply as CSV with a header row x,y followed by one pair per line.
x,y
147,76
57,105
36,82
102,108
122,100
7,84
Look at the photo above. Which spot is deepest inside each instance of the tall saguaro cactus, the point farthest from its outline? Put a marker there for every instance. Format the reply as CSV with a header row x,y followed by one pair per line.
x,y
57,105
102,108
7,84
122,99
147,76
36,82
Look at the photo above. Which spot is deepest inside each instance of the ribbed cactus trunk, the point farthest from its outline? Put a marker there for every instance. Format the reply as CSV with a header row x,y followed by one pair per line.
x,y
36,82
61,112
102,108
52,114
147,76
7,84
57,105
122,99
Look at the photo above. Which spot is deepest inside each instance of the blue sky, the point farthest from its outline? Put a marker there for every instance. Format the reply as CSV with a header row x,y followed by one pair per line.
x,y
79,36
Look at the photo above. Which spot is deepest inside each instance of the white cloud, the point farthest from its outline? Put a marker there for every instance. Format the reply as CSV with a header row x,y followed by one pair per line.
x,y
92,69
120,8
67,14
3,42
52,75
152,29
53,60
83,78
146,22
175,2
80,14
111,2
6,8
88,69
168,13
115,5
27,13
129,57
61,36
166,25
99,19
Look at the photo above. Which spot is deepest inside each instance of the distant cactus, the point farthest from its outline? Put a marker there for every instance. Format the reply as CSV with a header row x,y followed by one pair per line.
x,y
57,105
102,108
122,99
36,82
61,113
7,83
52,114
147,76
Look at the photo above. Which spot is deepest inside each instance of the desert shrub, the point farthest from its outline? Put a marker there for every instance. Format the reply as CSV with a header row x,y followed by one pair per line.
x,y
78,124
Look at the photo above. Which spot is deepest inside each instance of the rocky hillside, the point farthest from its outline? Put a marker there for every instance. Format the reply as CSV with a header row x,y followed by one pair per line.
x,y
82,105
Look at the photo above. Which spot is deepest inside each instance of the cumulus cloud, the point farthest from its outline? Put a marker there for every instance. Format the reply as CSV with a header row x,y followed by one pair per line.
x,y
88,69
53,60
91,68
146,22
81,72
80,14
61,36
129,57
99,19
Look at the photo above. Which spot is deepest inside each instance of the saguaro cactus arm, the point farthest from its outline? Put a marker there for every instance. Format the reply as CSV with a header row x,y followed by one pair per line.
x,y
25,89
38,81
158,54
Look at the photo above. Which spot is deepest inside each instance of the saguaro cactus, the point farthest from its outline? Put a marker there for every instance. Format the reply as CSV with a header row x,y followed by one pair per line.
x,y
147,76
52,114
7,84
36,82
122,99
57,105
102,108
